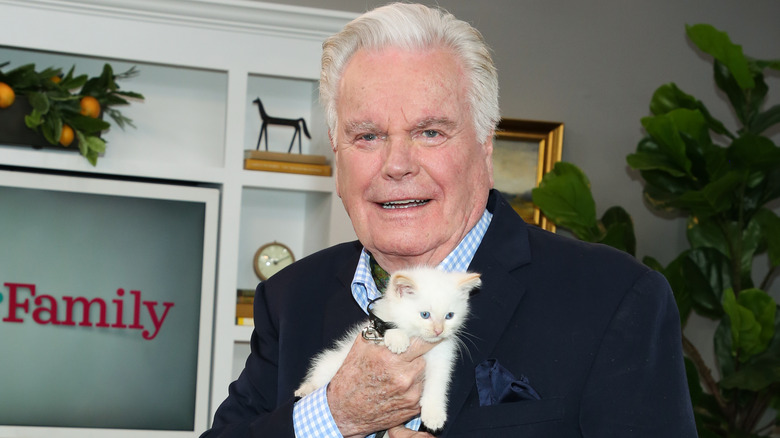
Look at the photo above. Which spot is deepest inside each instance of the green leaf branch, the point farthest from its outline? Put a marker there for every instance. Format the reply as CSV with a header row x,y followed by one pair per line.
x,y
56,98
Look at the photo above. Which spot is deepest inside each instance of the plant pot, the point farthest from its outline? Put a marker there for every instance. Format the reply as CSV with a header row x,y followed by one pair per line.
x,y
13,130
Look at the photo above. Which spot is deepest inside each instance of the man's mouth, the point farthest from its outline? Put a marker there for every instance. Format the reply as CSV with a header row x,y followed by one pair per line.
x,y
405,204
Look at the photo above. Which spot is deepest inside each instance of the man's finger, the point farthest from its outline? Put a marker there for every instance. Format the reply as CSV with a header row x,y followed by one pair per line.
x,y
403,432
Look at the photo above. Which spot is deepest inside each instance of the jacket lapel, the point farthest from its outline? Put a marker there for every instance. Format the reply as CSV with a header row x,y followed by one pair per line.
x,y
341,311
504,249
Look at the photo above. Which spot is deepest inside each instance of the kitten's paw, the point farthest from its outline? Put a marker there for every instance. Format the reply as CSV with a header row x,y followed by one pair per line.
x,y
396,341
305,389
433,418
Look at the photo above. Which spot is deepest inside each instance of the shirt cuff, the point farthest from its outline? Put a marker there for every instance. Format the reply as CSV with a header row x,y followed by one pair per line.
x,y
312,417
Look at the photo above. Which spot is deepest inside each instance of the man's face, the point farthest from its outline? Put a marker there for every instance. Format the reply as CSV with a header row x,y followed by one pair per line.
x,y
411,173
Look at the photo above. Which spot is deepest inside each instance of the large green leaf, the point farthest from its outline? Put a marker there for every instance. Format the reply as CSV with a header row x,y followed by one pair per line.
x,y
719,45
737,96
662,189
763,306
666,130
715,267
715,197
754,100
669,97
564,196
724,344
769,224
619,230
682,295
752,151
766,120
704,233
752,318
651,161
727,238
704,298
690,283
755,376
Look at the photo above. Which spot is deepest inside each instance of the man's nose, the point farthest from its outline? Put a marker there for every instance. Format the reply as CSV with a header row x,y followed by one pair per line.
x,y
400,158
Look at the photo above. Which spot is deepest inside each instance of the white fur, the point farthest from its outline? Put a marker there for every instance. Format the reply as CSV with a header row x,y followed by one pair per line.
x,y
409,293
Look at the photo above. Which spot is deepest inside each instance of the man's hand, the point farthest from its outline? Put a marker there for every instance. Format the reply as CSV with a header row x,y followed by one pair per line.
x,y
402,432
376,389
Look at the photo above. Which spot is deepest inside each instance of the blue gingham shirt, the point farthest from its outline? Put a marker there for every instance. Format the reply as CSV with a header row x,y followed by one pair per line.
x,y
311,414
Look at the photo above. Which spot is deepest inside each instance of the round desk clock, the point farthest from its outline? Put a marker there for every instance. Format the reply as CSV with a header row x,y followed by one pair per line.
x,y
271,258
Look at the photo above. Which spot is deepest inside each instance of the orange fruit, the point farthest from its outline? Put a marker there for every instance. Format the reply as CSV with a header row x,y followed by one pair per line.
x,y
66,137
90,106
55,79
7,95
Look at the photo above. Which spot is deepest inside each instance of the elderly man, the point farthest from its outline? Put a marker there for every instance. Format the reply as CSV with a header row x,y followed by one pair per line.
x,y
573,340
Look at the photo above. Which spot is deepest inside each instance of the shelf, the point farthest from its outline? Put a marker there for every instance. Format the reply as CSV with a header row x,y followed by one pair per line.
x,y
201,65
287,181
242,333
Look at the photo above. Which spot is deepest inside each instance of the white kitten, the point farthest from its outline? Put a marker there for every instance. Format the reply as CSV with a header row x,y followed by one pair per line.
x,y
422,302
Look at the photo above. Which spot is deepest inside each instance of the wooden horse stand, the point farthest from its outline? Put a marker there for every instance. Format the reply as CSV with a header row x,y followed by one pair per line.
x,y
268,120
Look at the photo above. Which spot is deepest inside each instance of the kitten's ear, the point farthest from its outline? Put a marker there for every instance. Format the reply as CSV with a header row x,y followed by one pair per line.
x,y
470,282
402,284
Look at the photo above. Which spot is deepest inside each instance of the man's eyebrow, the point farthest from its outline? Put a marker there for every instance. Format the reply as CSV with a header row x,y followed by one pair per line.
x,y
359,126
436,122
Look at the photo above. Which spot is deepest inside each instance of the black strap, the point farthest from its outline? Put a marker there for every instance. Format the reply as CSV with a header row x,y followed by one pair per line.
x,y
376,322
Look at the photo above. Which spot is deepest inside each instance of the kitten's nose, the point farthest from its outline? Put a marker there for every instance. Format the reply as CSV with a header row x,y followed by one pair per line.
x,y
438,329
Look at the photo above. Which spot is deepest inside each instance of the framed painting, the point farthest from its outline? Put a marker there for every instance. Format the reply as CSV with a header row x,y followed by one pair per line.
x,y
523,151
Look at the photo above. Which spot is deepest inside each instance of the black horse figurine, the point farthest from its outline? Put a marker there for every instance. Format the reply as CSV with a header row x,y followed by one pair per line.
x,y
268,120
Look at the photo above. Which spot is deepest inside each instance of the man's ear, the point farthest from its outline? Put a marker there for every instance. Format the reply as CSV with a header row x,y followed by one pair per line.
x,y
488,149
333,147
332,141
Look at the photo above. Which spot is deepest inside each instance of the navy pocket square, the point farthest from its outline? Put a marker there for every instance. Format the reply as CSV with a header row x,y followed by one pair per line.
x,y
495,384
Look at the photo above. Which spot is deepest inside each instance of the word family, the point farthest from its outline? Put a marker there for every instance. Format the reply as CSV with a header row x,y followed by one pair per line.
x,y
24,301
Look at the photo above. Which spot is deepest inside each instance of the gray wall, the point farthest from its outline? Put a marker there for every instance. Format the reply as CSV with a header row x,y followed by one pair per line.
x,y
594,66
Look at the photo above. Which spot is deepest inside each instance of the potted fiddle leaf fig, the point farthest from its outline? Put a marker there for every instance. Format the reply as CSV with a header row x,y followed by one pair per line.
x,y
723,180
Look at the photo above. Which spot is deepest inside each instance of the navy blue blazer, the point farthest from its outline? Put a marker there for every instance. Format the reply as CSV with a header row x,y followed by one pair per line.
x,y
596,333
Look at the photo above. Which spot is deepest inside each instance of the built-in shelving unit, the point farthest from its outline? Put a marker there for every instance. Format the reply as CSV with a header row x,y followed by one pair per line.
x,y
201,63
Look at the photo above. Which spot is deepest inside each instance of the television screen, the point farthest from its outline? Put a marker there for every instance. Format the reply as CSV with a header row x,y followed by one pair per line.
x,y
106,302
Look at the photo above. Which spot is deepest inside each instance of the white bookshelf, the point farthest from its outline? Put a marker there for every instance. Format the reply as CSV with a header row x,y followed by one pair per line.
x,y
201,63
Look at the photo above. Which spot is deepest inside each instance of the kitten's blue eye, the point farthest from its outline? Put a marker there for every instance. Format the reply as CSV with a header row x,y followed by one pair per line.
x,y
449,315
425,315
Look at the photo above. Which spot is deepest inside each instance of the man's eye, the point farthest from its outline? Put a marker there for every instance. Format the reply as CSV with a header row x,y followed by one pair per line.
x,y
368,137
430,133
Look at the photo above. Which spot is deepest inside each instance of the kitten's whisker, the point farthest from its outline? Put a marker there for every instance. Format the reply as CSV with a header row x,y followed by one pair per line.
x,y
463,349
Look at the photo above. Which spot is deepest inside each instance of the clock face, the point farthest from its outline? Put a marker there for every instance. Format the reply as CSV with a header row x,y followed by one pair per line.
x,y
271,258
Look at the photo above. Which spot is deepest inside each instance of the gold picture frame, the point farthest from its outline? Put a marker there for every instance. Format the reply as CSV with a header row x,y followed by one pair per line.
x,y
523,151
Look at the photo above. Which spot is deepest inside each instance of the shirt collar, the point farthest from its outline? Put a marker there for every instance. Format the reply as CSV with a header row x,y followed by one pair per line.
x,y
364,289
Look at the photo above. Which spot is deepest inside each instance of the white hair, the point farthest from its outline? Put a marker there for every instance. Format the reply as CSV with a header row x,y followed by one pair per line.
x,y
414,26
